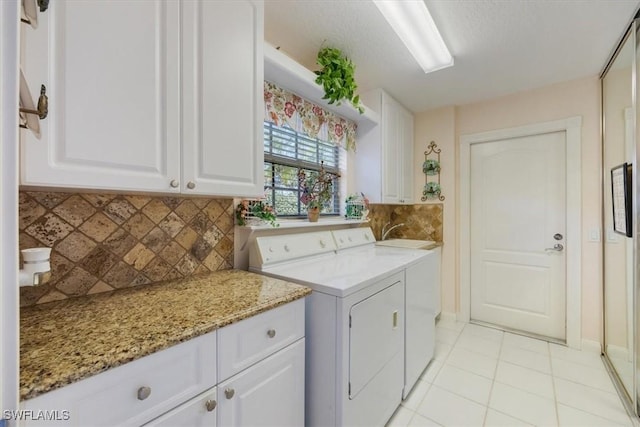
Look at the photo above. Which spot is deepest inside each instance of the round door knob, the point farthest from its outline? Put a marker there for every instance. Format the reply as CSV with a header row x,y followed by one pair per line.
x,y
229,392
174,183
210,405
271,333
144,392
191,185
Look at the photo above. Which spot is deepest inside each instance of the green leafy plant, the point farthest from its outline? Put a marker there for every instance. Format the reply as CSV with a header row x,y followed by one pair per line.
x,y
337,77
257,209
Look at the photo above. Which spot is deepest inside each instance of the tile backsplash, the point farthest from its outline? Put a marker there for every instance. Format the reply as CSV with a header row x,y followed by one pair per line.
x,y
103,242
421,221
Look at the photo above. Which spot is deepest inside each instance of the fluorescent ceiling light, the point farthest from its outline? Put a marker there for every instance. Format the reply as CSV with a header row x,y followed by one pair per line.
x,y
411,20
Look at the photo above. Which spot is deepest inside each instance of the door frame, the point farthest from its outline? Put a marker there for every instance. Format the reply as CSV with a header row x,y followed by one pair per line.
x,y
9,140
573,129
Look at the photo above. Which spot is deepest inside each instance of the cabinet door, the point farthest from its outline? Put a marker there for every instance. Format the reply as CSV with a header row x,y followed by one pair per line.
x,y
201,411
270,393
390,153
112,71
405,139
223,107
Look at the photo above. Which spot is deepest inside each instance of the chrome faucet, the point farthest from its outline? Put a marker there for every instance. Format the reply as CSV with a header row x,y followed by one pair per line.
x,y
386,232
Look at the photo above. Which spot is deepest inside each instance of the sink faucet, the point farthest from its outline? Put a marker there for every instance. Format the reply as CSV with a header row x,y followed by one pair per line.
x,y
386,232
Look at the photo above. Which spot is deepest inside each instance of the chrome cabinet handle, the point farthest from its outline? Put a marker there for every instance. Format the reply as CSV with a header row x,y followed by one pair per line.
x,y
229,392
144,392
210,404
174,183
557,248
271,333
191,185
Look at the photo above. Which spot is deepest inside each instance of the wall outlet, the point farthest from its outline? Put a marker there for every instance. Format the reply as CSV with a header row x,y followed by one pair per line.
x,y
594,235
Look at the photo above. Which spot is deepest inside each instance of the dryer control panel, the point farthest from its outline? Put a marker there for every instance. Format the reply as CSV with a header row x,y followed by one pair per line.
x,y
352,237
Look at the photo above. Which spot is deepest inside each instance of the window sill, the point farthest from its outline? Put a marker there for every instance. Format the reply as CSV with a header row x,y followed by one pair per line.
x,y
303,223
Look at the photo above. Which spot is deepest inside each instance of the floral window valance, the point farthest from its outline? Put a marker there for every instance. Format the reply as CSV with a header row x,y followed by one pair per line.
x,y
283,107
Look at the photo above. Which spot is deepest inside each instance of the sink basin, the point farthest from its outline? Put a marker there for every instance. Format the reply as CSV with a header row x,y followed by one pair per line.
x,y
406,243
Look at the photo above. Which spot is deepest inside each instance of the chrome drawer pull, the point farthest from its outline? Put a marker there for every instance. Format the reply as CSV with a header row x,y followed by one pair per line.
x,y
210,405
229,392
271,333
144,392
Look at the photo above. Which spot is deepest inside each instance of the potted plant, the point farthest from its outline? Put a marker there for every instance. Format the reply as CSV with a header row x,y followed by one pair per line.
x,y
337,77
316,190
247,210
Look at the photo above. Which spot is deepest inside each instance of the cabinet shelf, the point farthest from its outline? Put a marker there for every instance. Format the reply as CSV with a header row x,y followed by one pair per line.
x,y
291,75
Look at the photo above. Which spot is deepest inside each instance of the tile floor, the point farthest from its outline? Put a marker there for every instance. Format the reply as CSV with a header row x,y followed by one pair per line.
x,y
485,377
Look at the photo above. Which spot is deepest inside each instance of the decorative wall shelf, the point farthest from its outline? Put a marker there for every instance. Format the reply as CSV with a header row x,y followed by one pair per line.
x,y
289,74
431,170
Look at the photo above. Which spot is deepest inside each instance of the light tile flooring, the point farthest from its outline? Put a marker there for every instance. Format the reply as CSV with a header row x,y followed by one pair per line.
x,y
485,377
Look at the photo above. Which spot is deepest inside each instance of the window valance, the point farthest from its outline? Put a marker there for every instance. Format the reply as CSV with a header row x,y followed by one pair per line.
x,y
283,107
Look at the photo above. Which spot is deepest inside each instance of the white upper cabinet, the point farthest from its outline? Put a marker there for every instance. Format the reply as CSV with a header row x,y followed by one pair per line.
x,y
384,160
223,107
132,109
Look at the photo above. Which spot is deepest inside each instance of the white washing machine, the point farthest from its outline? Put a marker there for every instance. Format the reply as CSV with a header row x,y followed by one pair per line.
x,y
355,332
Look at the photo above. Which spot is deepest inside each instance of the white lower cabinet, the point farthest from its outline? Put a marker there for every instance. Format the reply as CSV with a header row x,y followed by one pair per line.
x,y
181,386
270,393
200,411
136,392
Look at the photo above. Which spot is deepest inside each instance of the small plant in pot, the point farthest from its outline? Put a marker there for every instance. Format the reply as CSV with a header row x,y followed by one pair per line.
x,y
337,77
316,191
247,212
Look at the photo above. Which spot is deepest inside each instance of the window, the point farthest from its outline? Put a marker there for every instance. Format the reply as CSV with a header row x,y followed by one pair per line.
x,y
285,153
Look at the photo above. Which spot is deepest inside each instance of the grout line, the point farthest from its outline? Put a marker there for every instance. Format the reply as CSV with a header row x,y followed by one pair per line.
x,y
493,380
553,384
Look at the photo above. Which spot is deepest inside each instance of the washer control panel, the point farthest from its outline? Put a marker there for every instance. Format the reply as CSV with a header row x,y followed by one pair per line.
x,y
273,249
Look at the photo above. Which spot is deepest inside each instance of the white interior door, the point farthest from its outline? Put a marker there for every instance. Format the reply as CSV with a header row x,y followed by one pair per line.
x,y
517,207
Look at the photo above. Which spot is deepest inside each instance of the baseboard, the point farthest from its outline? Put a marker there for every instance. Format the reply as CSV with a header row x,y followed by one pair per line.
x,y
591,346
619,352
452,317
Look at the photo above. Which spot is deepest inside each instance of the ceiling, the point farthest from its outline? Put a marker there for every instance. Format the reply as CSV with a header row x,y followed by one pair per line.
x,y
499,46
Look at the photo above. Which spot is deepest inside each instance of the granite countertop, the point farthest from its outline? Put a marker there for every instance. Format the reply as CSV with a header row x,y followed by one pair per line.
x,y
66,341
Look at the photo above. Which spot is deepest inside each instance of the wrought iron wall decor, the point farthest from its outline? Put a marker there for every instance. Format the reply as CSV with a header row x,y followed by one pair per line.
x,y
431,170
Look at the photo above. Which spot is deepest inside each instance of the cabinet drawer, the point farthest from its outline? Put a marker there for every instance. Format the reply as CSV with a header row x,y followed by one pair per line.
x,y
117,397
251,340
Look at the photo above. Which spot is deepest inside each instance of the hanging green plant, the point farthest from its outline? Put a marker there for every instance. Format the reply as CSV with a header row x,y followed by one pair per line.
x,y
337,77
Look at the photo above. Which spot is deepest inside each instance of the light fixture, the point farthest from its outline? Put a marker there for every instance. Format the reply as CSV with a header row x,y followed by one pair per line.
x,y
412,22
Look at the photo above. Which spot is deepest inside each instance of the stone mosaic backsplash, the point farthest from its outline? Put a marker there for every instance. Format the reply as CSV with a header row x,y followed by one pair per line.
x,y
421,221
103,242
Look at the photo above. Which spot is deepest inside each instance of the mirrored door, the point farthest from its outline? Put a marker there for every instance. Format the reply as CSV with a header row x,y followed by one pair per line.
x,y
618,162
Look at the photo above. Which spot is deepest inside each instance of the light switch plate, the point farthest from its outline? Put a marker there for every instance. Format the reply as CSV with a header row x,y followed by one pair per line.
x,y
594,235
612,237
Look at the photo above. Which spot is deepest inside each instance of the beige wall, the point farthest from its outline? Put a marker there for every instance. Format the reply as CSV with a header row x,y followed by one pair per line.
x,y
560,101
617,97
439,126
